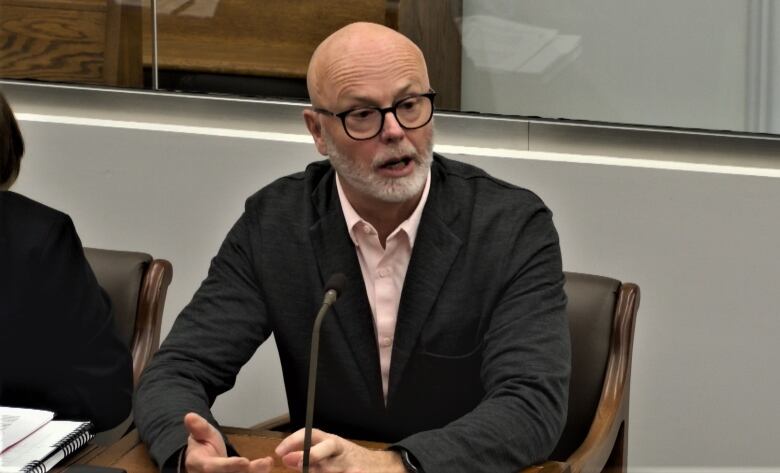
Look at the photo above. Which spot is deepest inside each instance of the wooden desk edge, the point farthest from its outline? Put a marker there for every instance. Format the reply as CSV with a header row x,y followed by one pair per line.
x,y
113,453
109,455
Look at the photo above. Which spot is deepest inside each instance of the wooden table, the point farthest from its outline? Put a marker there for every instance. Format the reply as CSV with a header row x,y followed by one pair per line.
x,y
130,454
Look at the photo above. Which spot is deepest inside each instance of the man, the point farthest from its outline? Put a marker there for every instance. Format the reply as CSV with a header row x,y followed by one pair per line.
x,y
450,340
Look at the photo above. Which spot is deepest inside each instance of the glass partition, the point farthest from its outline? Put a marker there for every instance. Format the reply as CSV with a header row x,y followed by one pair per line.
x,y
709,64
695,64
234,47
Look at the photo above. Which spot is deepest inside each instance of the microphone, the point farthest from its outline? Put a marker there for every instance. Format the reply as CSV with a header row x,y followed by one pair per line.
x,y
333,288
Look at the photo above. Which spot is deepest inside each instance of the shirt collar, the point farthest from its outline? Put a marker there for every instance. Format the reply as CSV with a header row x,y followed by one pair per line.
x,y
409,226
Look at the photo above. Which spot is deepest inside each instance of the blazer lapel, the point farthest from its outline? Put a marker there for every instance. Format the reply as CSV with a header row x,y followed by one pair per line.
x,y
435,250
335,253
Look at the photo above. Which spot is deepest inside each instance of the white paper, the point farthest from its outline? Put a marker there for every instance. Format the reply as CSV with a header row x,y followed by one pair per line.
x,y
37,446
17,423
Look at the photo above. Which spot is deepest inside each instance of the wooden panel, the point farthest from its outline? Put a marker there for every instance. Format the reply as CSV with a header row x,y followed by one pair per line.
x,y
96,41
51,44
276,40
433,26
82,41
93,5
122,65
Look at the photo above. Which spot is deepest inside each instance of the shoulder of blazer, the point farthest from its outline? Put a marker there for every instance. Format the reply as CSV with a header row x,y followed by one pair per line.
x,y
457,184
24,219
297,193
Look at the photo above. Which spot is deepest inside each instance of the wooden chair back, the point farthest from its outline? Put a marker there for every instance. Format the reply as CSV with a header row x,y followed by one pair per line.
x,y
602,314
137,285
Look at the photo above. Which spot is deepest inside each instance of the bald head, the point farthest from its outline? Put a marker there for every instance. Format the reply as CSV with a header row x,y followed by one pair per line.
x,y
359,52
357,71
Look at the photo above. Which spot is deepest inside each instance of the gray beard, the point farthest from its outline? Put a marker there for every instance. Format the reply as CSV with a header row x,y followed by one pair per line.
x,y
391,190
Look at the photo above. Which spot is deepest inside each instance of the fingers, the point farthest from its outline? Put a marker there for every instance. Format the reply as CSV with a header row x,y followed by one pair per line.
x,y
294,441
203,464
199,427
293,460
261,465
318,455
207,464
206,451
204,439
324,446
329,447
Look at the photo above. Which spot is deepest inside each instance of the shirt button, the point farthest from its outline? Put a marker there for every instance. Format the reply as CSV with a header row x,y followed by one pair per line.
x,y
386,342
383,272
366,229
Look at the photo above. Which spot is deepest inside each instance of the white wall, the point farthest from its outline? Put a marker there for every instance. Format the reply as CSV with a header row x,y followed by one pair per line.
x,y
703,247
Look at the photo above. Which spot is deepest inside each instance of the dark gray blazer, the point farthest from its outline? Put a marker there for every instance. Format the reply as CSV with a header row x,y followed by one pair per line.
x,y
480,364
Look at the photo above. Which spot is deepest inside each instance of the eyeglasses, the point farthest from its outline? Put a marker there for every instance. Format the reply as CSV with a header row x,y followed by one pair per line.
x,y
365,123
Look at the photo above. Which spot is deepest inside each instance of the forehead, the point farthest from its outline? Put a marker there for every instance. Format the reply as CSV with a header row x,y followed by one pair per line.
x,y
375,74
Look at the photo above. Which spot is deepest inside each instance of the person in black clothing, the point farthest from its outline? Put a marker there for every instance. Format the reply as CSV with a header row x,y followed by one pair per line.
x,y
58,346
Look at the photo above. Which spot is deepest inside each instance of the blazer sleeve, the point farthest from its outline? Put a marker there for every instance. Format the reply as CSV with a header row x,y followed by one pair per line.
x,y
525,366
96,380
212,338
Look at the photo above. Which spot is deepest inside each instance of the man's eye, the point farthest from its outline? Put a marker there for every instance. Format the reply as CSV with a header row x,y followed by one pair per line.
x,y
361,114
410,104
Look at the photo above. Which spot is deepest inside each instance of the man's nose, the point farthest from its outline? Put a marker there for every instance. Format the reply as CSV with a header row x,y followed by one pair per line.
x,y
391,129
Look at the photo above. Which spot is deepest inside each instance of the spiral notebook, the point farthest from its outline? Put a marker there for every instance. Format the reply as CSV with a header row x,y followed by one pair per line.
x,y
45,447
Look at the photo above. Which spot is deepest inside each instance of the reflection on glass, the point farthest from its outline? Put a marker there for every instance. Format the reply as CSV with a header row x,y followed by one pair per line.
x,y
234,47
709,64
77,41
498,45
196,8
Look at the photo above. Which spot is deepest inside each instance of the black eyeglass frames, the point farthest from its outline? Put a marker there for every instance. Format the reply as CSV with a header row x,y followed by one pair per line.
x,y
364,123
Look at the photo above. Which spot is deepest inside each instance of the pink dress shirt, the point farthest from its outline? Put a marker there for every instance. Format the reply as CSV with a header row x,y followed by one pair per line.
x,y
384,270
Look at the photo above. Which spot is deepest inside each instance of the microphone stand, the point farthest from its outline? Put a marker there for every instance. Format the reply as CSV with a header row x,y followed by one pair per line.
x,y
335,283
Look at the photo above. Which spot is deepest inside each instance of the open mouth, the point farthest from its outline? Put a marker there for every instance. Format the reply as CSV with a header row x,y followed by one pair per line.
x,y
396,163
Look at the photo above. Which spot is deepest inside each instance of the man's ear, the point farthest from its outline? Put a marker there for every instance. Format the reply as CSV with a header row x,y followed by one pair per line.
x,y
311,118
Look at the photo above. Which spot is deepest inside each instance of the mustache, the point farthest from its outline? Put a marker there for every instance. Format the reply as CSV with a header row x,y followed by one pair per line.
x,y
402,150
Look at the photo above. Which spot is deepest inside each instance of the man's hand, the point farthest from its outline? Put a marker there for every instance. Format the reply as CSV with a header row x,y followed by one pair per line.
x,y
332,454
206,451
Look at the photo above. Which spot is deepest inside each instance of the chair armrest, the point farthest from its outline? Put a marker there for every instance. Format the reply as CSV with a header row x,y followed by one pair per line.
x,y
278,423
548,467
606,442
